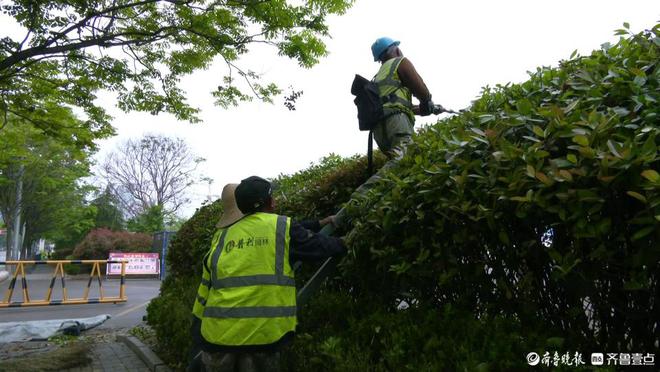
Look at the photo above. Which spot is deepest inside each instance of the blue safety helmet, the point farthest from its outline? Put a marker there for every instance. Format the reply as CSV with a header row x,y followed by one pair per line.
x,y
381,44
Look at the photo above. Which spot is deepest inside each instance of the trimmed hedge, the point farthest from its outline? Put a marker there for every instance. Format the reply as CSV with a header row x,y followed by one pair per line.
x,y
529,223
318,191
542,202
192,240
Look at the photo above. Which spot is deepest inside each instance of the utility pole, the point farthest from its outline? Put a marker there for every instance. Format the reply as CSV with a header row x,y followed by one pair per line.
x,y
16,235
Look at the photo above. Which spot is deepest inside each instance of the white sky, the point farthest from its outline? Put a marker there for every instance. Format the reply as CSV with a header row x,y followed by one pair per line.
x,y
457,47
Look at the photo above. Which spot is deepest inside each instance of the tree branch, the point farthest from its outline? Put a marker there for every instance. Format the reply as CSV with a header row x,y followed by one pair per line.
x,y
148,37
80,24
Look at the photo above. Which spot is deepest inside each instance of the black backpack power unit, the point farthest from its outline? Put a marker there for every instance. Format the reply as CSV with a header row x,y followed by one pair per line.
x,y
370,110
368,102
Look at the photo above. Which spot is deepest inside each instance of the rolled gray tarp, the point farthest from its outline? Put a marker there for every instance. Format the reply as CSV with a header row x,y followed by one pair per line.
x,y
43,329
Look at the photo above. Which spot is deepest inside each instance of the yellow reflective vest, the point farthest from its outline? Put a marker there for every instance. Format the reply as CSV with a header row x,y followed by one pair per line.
x,y
251,298
395,96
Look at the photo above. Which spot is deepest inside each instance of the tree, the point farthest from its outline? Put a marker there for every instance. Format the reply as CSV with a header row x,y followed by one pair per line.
x,y
141,48
150,221
108,212
40,190
152,171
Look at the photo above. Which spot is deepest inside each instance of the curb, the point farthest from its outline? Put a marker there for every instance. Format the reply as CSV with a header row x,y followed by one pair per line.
x,y
152,360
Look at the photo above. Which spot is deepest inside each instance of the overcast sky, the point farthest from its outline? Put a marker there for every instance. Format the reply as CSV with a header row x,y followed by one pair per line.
x,y
457,47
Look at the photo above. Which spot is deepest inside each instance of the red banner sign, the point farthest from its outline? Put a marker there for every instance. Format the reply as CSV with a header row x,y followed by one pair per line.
x,y
138,263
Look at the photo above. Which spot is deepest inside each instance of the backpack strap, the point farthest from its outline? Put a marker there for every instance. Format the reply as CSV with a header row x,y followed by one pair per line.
x,y
370,153
389,80
390,75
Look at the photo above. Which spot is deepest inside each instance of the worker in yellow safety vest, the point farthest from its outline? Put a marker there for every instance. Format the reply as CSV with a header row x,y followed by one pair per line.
x,y
247,298
398,81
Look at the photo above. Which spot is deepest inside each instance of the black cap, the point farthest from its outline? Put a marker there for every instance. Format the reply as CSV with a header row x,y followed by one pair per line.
x,y
252,194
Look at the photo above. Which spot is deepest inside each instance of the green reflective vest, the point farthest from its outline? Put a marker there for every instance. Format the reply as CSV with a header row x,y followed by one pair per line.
x,y
395,96
252,295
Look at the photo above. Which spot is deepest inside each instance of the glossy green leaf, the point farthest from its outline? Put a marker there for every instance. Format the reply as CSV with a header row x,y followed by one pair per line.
x,y
486,118
538,131
531,171
637,196
613,150
651,175
643,232
581,140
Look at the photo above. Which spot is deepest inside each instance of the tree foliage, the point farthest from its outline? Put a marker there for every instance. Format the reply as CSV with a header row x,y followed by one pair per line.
x,y
108,212
152,171
140,49
150,221
48,170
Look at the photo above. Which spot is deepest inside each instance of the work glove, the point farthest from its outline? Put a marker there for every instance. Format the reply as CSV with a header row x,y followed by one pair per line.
x,y
328,220
426,108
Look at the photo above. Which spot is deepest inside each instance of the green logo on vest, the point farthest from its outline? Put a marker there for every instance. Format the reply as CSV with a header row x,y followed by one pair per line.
x,y
245,243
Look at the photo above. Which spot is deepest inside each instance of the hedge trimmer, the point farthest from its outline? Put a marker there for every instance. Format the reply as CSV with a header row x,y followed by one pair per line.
x,y
438,109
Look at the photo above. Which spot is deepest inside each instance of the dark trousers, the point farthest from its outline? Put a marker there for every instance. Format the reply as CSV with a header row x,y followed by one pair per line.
x,y
241,362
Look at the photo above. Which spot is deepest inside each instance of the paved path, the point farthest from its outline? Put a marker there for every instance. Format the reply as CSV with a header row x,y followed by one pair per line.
x,y
123,315
108,353
113,356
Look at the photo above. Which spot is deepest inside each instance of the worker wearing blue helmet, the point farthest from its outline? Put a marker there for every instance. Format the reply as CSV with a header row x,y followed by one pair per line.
x,y
397,82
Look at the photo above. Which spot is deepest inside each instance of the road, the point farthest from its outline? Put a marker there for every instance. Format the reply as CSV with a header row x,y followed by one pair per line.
x,y
124,315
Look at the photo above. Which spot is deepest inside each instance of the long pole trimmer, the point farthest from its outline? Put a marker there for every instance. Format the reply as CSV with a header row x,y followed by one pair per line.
x,y
330,265
327,269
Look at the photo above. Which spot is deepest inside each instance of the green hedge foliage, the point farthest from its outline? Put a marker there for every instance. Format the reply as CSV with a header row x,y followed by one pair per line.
x,y
530,222
170,316
465,217
192,240
319,190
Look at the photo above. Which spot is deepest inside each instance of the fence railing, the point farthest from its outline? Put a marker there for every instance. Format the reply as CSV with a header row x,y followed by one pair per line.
x,y
59,270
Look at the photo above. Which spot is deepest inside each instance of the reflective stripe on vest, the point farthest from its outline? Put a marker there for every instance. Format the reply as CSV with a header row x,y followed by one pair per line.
x,y
246,281
204,286
252,297
395,96
200,300
251,312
